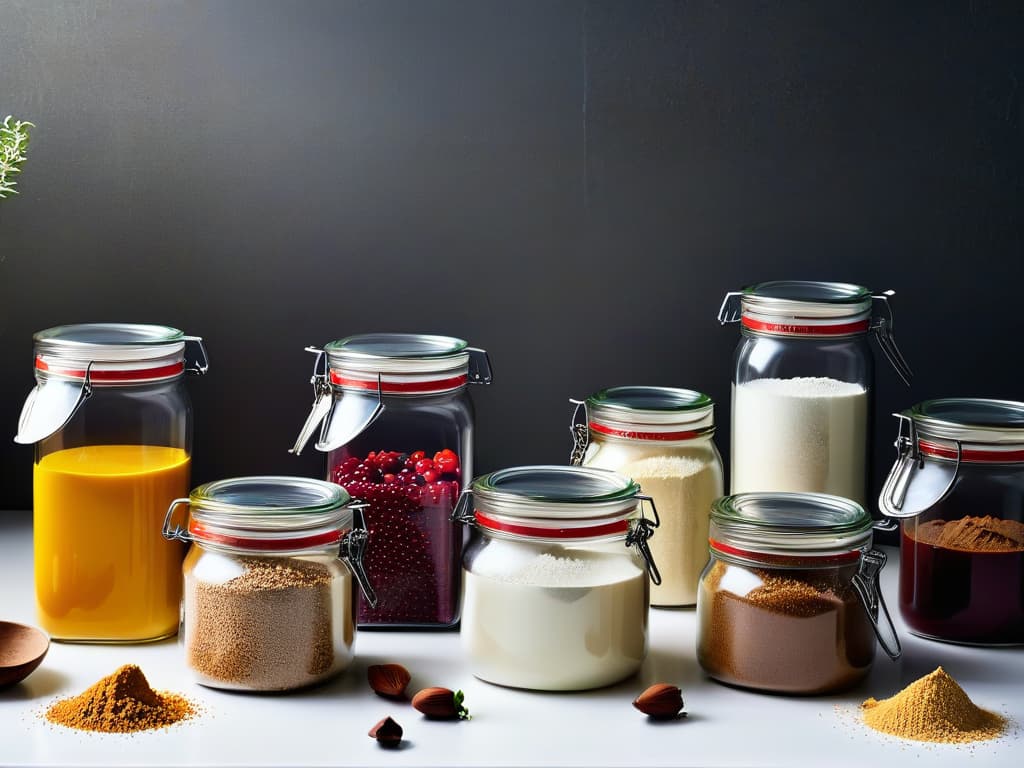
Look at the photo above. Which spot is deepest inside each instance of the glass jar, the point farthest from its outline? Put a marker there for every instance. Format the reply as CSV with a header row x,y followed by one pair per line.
x,y
111,422
396,421
958,487
789,601
269,591
662,438
803,386
556,578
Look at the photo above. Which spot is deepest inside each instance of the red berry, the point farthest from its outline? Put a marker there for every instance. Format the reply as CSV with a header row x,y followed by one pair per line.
x,y
417,455
423,466
430,475
389,477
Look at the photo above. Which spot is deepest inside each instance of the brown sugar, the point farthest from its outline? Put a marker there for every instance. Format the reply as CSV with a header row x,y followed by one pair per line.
x,y
121,703
934,708
974,534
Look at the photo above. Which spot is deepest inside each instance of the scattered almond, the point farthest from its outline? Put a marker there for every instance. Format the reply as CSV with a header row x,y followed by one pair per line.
x,y
387,732
441,704
388,680
660,702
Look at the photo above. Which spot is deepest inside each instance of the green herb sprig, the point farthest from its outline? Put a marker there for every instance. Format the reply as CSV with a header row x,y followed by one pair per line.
x,y
14,135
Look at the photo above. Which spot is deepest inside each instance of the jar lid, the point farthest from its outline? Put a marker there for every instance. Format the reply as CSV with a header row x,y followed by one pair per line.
x,y
970,420
268,513
397,353
651,413
806,308
789,524
554,490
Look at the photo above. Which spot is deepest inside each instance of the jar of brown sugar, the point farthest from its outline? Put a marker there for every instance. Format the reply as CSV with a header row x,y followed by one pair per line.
x,y
789,601
268,594
958,487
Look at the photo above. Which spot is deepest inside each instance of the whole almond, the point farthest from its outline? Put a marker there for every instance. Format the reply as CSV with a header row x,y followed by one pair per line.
x,y
660,702
387,732
388,680
440,704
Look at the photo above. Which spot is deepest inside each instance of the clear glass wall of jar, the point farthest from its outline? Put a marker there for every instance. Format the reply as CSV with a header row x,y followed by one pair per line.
x,y
789,601
662,438
396,422
803,387
111,422
269,581
556,578
958,487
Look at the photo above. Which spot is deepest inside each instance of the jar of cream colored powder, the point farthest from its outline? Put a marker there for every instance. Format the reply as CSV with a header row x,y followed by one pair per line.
x,y
662,438
556,577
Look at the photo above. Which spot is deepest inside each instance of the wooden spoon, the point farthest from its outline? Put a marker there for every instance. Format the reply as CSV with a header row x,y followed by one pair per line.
x,y
22,648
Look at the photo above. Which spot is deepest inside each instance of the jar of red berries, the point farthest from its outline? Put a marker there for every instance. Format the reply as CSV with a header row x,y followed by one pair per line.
x,y
393,414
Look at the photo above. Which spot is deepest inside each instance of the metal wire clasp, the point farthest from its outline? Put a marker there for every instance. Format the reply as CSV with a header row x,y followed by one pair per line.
x,y
177,533
580,432
883,326
731,308
202,362
866,582
352,549
640,530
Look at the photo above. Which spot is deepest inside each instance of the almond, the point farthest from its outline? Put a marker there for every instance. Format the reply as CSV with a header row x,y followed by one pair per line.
x,y
441,704
387,732
388,680
660,702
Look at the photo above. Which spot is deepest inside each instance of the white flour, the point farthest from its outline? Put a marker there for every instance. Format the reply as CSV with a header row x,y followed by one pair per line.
x,y
801,434
570,620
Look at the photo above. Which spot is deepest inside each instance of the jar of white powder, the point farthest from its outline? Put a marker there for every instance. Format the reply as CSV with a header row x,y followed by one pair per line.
x,y
660,437
556,577
802,387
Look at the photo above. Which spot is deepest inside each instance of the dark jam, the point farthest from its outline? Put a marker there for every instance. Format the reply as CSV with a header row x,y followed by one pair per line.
x,y
963,580
414,550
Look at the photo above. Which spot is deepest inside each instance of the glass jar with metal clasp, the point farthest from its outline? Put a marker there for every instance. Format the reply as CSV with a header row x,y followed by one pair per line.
x,y
395,418
556,577
803,385
269,581
957,487
111,421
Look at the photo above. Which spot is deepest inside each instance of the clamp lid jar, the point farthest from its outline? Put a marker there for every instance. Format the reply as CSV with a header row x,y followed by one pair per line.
x,y
269,598
556,577
958,488
395,419
803,383
662,437
790,601
111,422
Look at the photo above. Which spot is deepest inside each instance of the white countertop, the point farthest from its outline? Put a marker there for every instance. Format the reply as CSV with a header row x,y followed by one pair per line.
x,y
328,725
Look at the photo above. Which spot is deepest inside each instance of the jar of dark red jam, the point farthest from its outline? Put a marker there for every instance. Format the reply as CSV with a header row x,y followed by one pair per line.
x,y
395,419
958,486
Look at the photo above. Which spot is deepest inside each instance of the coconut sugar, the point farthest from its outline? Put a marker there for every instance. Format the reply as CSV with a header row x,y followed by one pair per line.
x,y
934,708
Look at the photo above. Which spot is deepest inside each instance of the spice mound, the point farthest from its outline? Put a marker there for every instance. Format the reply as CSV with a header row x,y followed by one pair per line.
x,y
974,534
121,703
934,708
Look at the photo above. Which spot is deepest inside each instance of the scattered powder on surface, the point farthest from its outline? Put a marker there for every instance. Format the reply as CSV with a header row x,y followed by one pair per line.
x,y
934,708
121,703
974,534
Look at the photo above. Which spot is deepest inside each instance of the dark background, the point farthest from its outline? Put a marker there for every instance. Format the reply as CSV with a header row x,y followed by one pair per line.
x,y
573,186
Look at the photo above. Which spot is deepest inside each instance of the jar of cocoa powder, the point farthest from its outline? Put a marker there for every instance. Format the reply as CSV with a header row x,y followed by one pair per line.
x,y
557,577
269,582
789,601
958,487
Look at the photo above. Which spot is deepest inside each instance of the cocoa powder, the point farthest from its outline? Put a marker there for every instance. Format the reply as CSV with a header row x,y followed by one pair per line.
x,y
790,631
973,534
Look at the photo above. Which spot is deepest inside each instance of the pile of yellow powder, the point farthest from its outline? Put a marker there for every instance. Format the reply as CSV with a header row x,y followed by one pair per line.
x,y
934,708
121,703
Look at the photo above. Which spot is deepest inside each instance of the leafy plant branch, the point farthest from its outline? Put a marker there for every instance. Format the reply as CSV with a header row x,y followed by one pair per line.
x,y
14,135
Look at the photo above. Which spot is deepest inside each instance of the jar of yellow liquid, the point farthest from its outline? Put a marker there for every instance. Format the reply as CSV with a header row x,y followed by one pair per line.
x,y
111,422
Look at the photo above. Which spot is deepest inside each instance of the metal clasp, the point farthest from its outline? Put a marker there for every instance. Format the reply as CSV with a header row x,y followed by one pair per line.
x,y
50,406
640,530
731,309
913,484
321,400
352,549
177,533
884,328
866,582
580,431
480,371
463,511
201,364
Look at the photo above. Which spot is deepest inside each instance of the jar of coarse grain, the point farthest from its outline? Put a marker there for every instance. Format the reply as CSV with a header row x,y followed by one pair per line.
x,y
661,437
269,591
556,577
958,488
789,601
